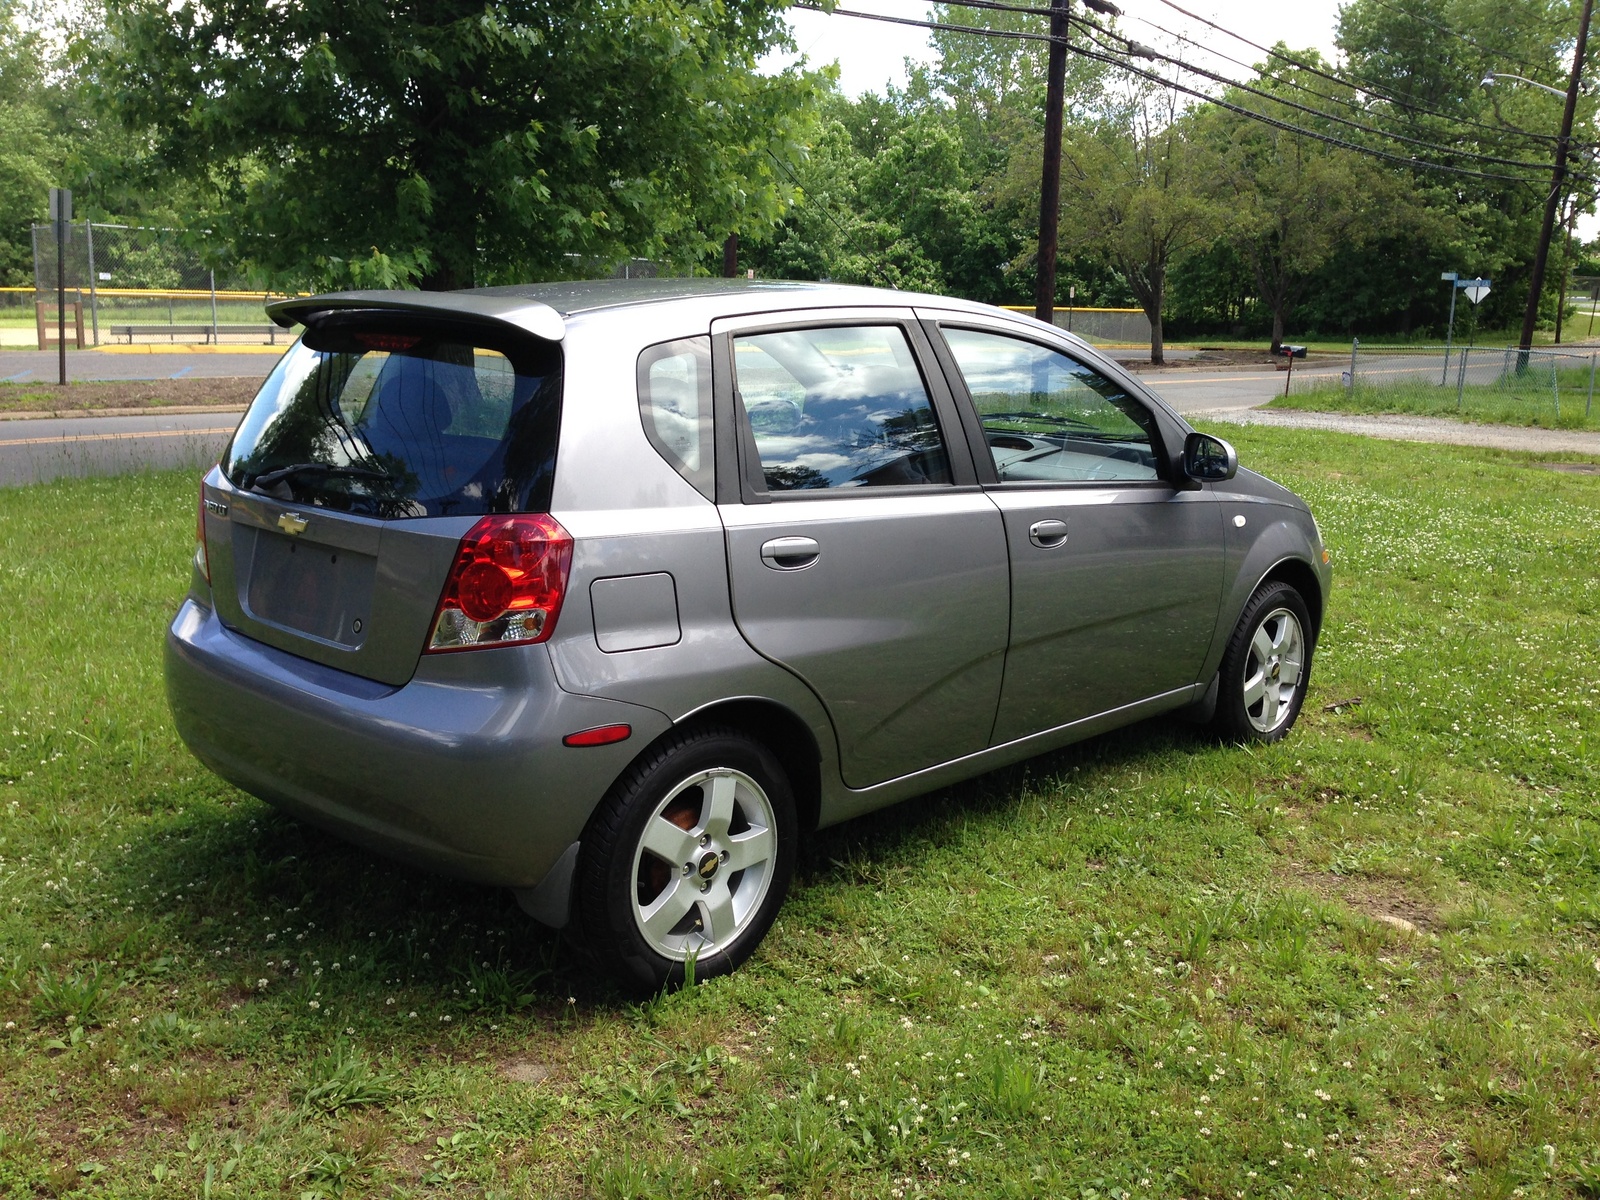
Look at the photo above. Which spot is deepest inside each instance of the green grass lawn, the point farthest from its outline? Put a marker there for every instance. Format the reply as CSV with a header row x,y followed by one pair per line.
x,y
1363,962
1502,403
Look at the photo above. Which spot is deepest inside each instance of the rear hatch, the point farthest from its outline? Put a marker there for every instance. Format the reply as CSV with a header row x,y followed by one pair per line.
x,y
380,439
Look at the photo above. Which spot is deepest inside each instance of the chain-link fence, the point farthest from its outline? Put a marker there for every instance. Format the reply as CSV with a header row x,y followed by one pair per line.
x,y
1101,326
140,284
1487,382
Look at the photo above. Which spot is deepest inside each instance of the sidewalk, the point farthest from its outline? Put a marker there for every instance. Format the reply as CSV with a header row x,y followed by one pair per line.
x,y
1441,430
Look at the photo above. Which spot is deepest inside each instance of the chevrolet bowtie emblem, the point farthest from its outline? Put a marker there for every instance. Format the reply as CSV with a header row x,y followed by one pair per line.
x,y
292,523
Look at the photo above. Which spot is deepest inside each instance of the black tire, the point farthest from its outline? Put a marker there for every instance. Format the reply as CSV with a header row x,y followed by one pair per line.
x,y
1246,713
618,875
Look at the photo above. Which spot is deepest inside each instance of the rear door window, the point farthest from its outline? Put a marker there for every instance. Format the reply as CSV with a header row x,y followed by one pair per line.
x,y
407,419
838,407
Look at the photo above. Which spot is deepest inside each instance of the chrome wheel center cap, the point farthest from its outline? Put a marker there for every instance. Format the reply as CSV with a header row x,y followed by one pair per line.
x,y
706,869
1276,668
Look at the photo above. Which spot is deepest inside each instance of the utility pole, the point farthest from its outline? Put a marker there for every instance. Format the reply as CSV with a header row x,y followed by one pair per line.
x,y
1558,177
1050,179
61,218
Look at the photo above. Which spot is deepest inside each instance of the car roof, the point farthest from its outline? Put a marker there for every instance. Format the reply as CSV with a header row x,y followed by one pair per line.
x,y
542,308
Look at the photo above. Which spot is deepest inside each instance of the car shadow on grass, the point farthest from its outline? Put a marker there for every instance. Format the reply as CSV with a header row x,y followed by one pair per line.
x,y
893,833
255,905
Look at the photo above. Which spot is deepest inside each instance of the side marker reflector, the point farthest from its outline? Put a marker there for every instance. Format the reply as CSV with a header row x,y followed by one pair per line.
x,y
603,735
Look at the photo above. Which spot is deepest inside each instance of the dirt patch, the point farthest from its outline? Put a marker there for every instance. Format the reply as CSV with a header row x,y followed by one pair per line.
x,y
1384,900
522,1070
1569,468
1408,1151
125,394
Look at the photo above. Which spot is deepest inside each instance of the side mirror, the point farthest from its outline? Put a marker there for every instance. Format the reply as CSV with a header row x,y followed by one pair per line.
x,y
1209,459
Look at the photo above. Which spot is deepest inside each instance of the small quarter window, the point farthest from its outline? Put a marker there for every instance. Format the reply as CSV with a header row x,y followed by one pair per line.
x,y
675,405
838,407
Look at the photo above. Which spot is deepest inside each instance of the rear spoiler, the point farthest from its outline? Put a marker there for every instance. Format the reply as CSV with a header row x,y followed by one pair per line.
x,y
527,316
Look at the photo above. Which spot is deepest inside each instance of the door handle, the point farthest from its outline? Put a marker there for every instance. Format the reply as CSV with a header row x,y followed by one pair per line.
x,y
1048,534
790,553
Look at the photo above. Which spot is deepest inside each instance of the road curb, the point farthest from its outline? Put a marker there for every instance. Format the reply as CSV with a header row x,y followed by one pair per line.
x,y
172,410
186,348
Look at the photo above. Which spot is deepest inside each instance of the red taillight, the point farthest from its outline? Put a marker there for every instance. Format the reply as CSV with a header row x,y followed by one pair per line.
x,y
506,586
604,735
202,560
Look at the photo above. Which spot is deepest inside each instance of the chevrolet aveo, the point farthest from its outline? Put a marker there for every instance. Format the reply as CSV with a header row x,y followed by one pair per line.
x,y
611,593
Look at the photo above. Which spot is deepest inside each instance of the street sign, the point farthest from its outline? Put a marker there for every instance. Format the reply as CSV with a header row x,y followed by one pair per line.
x,y
60,205
1476,289
1449,277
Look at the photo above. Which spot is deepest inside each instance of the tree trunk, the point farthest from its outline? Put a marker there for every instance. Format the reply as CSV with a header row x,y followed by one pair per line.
x,y
444,278
1277,327
1157,301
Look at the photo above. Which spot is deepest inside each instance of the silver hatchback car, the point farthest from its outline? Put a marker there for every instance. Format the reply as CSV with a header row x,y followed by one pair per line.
x,y
610,593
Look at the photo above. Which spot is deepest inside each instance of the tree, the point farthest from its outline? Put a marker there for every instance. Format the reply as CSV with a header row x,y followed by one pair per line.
x,y
458,142
1296,201
1132,192
1422,63
30,157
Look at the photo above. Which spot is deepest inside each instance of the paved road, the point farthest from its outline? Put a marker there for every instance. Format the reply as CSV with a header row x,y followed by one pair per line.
x,y
1198,390
30,366
34,451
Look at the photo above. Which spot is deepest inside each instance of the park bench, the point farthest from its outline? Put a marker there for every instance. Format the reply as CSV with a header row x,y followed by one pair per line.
x,y
268,331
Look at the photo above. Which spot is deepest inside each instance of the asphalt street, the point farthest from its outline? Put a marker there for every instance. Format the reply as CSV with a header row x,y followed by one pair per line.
x,y
84,366
44,448
1194,390
40,449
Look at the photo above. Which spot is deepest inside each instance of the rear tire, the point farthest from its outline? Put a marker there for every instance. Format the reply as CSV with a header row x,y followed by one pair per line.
x,y
689,855
1266,667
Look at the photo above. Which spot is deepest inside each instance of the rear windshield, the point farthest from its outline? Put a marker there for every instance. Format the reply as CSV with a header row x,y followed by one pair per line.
x,y
404,419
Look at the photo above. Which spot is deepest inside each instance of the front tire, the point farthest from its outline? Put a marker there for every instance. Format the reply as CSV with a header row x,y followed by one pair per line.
x,y
1266,667
688,856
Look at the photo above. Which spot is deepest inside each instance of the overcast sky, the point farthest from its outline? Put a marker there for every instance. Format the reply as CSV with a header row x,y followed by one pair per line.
x,y
872,54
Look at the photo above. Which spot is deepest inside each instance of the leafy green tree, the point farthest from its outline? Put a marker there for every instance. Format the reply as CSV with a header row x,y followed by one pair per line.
x,y
1133,192
30,155
458,142
1297,202
1422,63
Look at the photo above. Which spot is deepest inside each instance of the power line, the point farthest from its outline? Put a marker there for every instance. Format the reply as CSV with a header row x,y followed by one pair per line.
x,y
1270,52
1305,66
844,233
1249,114
1493,160
1356,85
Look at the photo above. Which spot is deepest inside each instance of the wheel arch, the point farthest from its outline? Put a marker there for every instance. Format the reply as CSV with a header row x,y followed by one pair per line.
x,y
1302,577
781,731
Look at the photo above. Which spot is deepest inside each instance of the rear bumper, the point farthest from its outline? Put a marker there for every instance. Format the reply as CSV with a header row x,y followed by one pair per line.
x,y
460,771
